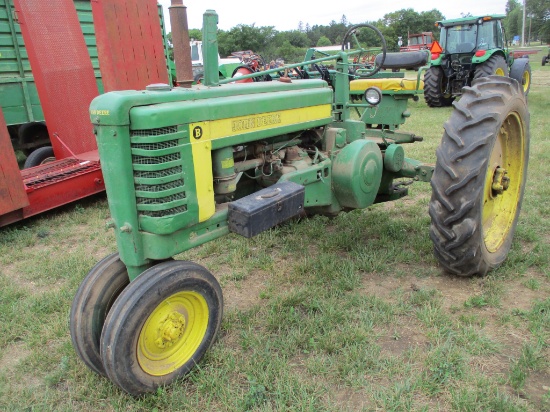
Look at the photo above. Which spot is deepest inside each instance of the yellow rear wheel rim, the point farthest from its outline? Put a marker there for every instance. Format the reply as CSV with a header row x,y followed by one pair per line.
x,y
503,183
172,333
526,80
499,72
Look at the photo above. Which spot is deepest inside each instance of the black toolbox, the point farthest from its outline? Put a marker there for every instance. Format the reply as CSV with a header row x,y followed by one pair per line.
x,y
266,208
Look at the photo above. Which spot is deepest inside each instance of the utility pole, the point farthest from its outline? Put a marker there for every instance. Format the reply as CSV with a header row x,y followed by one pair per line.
x,y
523,26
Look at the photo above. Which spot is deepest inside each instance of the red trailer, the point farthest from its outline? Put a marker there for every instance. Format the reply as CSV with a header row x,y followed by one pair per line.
x,y
66,85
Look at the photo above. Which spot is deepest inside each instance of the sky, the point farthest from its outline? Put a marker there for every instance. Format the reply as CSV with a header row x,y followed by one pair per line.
x,y
284,16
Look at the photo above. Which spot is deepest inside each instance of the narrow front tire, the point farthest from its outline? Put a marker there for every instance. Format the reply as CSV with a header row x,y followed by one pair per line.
x,y
161,326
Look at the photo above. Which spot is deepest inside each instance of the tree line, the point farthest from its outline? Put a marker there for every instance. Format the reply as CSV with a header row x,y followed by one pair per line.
x,y
291,45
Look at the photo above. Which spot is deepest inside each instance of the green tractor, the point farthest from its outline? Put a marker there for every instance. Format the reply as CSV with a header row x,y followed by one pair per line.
x,y
470,48
183,167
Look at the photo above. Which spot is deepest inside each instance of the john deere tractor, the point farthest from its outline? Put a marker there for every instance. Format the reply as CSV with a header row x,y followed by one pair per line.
x,y
470,48
183,167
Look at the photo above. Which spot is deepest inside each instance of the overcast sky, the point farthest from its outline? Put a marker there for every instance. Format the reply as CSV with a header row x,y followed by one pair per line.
x,y
286,15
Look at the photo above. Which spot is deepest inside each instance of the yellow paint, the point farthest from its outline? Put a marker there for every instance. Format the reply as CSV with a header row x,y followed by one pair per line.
x,y
95,112
227,163
217,129
204,180
385,84
172,333
203,132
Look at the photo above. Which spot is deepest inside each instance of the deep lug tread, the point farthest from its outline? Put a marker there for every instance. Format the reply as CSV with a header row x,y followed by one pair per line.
x,y
459,177
433,83
490,67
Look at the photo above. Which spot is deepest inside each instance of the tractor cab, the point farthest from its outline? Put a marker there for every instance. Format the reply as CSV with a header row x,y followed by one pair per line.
x,y
468,36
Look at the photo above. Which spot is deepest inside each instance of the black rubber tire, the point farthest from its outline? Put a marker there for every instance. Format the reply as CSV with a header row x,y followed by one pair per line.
x,y
378,64
197,79
93,300
434,88
40,156
35,133
544,60
491,66
125,333
490,115
521,71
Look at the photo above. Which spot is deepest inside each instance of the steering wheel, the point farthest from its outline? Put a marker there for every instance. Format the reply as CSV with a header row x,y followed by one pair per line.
x,y
359,38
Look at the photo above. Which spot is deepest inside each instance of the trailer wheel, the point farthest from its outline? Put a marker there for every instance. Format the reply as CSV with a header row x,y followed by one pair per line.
x,y
521,71
479,177
494,65
435,83
33,135
92,302
161,326
40,156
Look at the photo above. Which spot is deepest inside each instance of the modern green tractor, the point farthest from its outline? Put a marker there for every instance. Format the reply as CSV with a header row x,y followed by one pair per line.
x,y
470,48
183,167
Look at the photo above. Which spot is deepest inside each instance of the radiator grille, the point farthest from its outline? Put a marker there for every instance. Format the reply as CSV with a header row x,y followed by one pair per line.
x,y
158,172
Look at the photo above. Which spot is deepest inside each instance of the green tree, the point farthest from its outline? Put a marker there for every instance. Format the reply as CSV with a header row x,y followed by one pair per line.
x,y
513,22
195,34
289,53
539,15
512,5
407,21
323,41
244,37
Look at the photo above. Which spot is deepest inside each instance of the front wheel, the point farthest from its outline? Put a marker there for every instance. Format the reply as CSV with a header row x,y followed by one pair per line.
x,y
479,177
161,326
93,300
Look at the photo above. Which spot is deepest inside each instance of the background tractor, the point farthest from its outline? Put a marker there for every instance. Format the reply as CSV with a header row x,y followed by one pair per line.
x,y
183,167
470,48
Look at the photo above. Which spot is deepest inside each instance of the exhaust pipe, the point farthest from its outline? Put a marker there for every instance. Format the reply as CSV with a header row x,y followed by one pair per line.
x,y
180,41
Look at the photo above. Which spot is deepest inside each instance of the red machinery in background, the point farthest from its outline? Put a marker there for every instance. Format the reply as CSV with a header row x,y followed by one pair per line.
x,y
130,56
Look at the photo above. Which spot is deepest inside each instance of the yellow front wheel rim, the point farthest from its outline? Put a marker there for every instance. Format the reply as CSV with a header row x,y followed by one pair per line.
x,y
172,333
503,183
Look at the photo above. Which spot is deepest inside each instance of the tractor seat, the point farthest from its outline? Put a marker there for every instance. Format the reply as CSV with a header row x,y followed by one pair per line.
x,y
390,85
404,60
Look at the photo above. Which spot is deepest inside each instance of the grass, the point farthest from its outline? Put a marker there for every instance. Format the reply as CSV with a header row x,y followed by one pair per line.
x,y
344,314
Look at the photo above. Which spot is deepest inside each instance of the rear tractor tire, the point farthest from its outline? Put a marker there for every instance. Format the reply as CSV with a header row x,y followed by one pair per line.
x,y
435,83
494,65
161,326
521,71
480,176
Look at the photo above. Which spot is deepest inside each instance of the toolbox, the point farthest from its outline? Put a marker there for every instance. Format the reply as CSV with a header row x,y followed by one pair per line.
x,y
266,208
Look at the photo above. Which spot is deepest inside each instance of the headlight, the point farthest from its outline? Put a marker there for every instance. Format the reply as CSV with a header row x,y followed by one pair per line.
x,y
373,96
